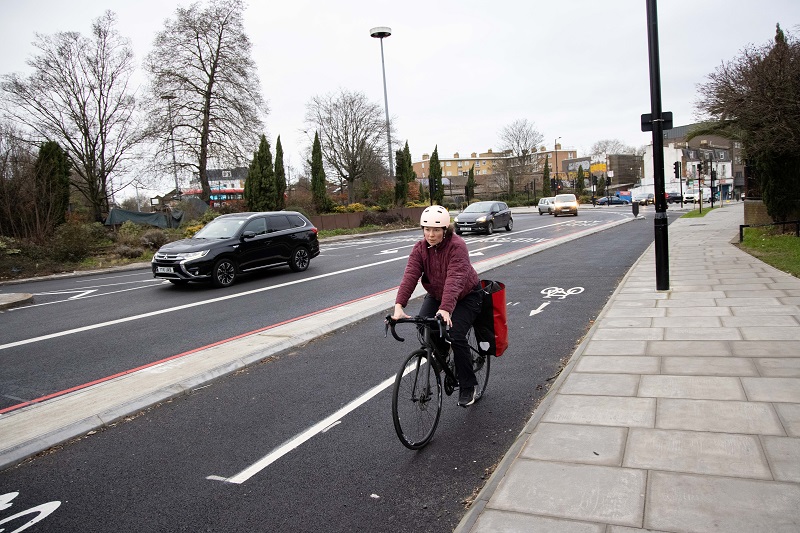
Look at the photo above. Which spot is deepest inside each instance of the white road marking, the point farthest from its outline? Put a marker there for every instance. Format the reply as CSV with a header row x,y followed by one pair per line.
x,y
540,309
187,306
291,444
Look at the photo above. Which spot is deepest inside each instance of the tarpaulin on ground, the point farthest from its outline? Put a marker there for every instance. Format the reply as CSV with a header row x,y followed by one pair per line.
x,y
161,220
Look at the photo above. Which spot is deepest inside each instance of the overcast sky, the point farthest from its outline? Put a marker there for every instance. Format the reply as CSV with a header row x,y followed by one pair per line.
x,y
456,71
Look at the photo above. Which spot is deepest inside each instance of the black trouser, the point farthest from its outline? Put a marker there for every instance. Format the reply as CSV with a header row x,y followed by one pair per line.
x,y
462,317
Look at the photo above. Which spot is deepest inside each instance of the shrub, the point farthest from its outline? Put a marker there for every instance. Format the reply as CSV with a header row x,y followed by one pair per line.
x,y
154,239
128,252
129,233
73,242
355,207
377,218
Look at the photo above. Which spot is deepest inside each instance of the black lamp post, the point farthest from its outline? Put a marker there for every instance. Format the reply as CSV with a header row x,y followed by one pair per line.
x,y
380,33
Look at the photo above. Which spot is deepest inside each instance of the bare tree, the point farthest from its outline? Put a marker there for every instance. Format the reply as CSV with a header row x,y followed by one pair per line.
x,y
519,139
78,95
352,133
602,148
204,85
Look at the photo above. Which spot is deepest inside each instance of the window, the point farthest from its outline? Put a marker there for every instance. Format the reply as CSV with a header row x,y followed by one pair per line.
x,y
257,226
279,222
448,163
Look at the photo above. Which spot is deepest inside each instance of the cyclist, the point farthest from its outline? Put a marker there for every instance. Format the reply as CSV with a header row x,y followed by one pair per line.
x,y
441,261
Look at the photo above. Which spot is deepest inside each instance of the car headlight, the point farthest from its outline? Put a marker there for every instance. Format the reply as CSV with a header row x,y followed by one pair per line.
x,y
455,219
480,219
190,256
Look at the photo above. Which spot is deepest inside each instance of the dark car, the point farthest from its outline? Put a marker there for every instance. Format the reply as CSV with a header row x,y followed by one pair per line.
x,y
235,244
673,197
611,200
647,198
484,216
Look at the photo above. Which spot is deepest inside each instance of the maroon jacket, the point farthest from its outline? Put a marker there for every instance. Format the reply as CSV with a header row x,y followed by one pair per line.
x,y
445,270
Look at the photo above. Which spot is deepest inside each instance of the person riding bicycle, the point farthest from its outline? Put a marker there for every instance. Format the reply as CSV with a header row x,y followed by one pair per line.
x,y
441,261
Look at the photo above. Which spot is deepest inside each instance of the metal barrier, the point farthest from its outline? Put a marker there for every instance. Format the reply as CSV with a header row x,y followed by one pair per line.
x,y
795,222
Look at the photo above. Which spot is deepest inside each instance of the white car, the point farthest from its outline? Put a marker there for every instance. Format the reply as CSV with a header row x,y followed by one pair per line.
x,y
546,205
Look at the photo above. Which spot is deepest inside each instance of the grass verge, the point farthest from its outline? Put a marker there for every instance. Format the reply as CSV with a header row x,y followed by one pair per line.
x,y
781,250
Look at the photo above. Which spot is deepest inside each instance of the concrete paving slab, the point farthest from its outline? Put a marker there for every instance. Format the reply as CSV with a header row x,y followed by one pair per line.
x,y
602,411
772,389
688,322
711,366
696,452
778,367
772,334
762,293
492,521
694,387
685,334
628,334
775,348
622,364
623,312
749,418
576,443
628,322
698,311
615,348
623,529
697,294
600,384
592,493
760,321
783,454
695,348
770,310
705,504
705,302
789,414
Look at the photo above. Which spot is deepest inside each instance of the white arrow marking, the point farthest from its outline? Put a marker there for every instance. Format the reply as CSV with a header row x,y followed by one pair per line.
x,y
471,254
540,309
384,252
80,294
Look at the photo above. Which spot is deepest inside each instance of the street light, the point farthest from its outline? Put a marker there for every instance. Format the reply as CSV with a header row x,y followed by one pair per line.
x,y
379,33
555,163
169,98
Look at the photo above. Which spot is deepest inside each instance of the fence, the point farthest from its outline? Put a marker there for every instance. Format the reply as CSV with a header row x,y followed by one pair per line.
x,y
795,222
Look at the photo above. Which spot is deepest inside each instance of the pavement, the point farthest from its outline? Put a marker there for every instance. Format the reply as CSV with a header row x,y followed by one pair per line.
x,y
678,412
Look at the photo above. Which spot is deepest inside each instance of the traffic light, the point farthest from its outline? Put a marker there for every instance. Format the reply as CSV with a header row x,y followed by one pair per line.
x,y
552,183
677,166
594,181
713,176
700,167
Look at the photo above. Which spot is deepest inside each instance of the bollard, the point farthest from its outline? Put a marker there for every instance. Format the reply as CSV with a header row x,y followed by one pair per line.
x,y
635,207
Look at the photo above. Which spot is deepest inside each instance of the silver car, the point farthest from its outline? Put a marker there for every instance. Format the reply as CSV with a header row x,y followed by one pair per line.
x,y
546,205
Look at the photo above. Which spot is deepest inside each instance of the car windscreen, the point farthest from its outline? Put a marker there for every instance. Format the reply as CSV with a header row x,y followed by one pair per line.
x,y
220,229
478,207
565,198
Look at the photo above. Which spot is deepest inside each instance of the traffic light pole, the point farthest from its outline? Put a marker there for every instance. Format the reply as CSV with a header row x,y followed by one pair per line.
x,y
660,222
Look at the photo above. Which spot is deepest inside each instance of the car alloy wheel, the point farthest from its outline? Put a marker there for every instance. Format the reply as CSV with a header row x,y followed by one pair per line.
x,y
224,273
300,260
510,224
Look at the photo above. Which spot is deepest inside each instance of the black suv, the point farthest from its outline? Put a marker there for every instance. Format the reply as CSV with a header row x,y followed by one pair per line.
x,y
235,244
484,216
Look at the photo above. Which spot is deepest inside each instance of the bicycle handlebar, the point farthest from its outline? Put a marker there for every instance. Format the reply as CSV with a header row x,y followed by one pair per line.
x,y
423,320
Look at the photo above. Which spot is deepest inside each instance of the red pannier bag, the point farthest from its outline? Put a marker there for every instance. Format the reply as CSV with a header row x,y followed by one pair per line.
x,y
490,327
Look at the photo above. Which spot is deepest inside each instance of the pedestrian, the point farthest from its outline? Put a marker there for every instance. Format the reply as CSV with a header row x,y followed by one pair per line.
x,y
441,262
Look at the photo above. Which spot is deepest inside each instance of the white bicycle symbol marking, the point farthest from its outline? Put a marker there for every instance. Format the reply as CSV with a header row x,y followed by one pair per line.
x,y
560,293
42,511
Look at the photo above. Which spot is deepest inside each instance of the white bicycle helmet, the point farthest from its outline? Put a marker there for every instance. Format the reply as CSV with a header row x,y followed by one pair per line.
x,y
435,216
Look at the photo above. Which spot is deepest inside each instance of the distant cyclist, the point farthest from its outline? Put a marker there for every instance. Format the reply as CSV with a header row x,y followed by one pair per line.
x,y
441,261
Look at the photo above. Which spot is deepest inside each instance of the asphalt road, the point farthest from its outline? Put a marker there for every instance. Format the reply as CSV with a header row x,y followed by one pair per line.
x,y
163,469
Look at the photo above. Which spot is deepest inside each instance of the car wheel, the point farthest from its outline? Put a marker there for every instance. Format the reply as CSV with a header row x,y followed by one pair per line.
x,y
554,214
179,281
510,224
490,228
540,213
224,273
300,259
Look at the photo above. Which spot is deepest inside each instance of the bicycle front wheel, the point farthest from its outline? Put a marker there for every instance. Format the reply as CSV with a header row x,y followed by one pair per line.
x,y
416,400
480,363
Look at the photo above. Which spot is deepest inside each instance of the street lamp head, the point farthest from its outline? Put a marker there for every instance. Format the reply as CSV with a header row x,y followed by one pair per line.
x,y
380,32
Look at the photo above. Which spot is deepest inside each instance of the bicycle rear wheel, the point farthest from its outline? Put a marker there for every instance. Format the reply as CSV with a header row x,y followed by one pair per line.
x,y
416,400
480,363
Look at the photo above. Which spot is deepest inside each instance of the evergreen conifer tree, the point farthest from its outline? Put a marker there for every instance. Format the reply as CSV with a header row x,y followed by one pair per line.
x,y
319,191
52,184
260,186
547,191
579,182
280,177
435,175
470,191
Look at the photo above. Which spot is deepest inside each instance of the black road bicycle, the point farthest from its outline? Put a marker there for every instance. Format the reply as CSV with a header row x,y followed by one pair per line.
x,y
417,395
